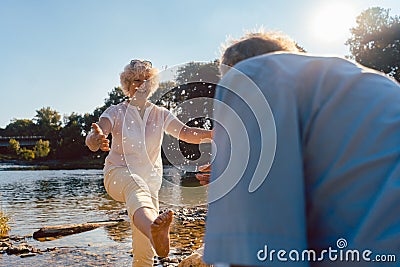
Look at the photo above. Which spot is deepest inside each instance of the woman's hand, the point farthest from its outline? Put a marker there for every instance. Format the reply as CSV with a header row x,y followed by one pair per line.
x,y
204,176
98,139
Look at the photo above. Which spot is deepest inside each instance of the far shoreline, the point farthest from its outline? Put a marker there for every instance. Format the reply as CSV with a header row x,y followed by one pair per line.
x,y
53,164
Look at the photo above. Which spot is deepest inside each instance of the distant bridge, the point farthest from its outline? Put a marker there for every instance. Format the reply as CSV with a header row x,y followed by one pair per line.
x,y
24,141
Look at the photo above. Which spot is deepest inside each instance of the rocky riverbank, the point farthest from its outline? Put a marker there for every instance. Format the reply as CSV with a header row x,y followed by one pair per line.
x,y
187,232
15,245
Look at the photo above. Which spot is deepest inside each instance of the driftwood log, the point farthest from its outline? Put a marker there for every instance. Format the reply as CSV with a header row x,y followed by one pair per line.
x,y
70,229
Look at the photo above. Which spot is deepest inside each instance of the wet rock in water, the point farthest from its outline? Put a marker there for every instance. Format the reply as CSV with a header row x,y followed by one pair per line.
x,y
5,244
175,260
4,238
191,214
52,249
195,259
190,224
17,238
123,212
25,255
168,261
4,247
23,248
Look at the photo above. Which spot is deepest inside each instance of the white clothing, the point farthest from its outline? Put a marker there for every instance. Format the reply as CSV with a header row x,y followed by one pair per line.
x,y
123,186
136,142
133,168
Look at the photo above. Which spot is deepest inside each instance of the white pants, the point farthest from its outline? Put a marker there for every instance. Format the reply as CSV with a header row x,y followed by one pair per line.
x,y
123,186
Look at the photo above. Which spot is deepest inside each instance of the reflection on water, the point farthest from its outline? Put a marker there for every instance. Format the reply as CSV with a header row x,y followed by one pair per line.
x,y
35,199
178,192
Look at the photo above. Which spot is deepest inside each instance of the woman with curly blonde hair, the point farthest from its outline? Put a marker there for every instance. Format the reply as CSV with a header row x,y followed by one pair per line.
x,y
133,167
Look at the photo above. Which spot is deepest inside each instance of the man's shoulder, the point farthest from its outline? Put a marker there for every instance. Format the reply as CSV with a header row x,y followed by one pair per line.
x,y
293,59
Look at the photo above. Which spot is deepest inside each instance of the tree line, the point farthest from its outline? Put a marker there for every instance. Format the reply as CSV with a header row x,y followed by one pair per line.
x,y
374,43
65,137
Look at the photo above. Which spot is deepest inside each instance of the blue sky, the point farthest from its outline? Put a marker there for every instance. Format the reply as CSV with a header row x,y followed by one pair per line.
x,y
68,54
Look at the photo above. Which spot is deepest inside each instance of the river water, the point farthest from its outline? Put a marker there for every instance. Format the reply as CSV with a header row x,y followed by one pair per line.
x,y
37,198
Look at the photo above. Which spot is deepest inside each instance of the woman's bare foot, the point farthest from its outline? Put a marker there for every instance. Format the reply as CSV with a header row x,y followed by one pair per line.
x,y
159,230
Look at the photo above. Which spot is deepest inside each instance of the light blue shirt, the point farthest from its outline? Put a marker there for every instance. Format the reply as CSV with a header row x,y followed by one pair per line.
x,y
335,176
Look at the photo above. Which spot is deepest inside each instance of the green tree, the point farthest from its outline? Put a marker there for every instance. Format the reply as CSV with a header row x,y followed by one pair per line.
x,y
114,97
163,88
13,146
48,118
26,154
21,127
72,141
48,122
41,149
301,49
194,79
86,122
375,41
198,72
4,227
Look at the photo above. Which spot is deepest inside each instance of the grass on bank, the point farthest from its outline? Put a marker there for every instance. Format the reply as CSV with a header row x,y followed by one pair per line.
x,y
4,227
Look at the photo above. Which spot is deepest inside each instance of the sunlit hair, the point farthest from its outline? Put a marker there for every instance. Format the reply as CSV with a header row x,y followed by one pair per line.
x,y
254,44
136,71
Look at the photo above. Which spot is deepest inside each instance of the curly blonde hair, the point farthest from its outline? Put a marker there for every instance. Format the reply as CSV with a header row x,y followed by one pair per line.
x,y
136,71
254,44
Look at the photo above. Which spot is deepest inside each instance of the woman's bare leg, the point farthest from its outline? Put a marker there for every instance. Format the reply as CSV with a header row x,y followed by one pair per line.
x,y
155,227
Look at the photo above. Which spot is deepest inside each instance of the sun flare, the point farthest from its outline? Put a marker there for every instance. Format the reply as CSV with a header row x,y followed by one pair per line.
x,y
332,22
